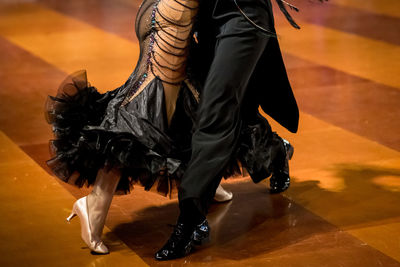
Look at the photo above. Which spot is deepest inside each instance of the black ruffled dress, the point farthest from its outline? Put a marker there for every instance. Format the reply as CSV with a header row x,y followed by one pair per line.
x,y
144,127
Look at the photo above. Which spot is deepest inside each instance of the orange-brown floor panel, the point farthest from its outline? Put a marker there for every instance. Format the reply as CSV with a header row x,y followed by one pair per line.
x,y
33,229
255,228
343,205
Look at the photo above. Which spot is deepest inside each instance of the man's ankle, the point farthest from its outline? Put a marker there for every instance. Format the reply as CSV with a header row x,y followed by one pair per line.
x,y
190,213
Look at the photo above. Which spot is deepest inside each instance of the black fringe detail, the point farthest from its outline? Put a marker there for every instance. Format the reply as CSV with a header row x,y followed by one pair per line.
x,y
282,7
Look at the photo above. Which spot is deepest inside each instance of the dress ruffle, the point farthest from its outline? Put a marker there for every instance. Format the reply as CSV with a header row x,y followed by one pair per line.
x,y
92,131
84,143
260,150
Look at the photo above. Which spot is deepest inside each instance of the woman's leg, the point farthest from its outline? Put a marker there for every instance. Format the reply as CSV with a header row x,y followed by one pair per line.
x,y
99,200
92,210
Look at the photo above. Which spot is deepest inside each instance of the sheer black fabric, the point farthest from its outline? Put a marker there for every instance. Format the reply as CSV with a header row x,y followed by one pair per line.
x,y
140,143
143,128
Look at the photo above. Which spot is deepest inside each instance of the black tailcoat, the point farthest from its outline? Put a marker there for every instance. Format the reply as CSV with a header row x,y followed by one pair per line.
x,y
242,68
274,92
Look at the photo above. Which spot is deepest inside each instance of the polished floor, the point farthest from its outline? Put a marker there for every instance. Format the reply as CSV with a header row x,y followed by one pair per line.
x,y
343,208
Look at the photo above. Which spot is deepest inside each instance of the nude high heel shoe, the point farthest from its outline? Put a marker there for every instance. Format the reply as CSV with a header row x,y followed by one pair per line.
x,y
94,242
221,195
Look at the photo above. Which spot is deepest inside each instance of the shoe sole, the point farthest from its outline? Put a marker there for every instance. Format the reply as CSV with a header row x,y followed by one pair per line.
x,y
290,152
202,241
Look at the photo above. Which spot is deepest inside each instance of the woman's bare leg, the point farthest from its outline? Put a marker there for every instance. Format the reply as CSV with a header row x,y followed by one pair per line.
x,y
99,200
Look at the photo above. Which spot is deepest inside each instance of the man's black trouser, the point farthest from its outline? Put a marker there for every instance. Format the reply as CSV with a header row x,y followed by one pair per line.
x,y
225,100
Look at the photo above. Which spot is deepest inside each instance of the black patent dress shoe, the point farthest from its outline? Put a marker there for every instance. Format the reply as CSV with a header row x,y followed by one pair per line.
x,y
201,234
182,241
280,179
178,245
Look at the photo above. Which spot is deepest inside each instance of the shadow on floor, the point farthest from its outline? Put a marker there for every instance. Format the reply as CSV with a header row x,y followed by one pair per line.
x,y
369,195
254,223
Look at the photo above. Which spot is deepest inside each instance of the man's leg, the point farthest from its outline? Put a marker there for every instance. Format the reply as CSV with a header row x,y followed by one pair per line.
x,y
217,131
219,114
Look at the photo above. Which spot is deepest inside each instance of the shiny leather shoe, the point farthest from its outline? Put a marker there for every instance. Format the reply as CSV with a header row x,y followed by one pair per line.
x,y
222,195
92,240
280,179
182,241
178,245
201,234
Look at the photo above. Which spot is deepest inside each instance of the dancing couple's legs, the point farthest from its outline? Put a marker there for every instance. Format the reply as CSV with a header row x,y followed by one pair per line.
x,y
220,114
93,208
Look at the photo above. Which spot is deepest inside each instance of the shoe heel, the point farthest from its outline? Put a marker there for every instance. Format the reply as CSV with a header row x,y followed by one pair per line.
x,y
202,241
73,213
290,152
70,217
201,235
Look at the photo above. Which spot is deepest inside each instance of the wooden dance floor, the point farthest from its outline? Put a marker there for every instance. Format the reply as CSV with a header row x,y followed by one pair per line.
x,y
343,207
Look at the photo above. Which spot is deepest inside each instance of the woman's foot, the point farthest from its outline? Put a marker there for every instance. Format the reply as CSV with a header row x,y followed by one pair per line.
x,y
221,195
90,233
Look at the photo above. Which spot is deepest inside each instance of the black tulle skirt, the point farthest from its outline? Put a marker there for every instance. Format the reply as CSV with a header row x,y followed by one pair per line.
x,y
94,131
